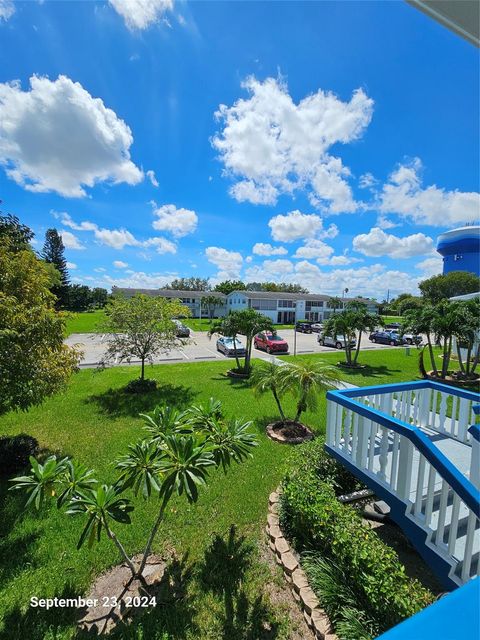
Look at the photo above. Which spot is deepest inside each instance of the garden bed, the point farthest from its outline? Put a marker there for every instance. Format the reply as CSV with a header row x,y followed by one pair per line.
x,y
289,432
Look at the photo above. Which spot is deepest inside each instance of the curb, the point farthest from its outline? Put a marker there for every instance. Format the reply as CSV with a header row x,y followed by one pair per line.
x,y
315,617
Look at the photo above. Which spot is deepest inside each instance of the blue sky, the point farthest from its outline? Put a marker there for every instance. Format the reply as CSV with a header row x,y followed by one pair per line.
x,y
326,143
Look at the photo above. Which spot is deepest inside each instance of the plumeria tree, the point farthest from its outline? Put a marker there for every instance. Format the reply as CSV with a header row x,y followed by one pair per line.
x,y
247,323
175,458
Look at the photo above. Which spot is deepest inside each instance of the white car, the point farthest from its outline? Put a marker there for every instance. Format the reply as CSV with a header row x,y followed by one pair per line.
x,y
228,346
317,327
337,342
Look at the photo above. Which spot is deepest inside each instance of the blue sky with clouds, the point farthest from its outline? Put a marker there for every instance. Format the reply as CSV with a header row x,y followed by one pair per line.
x,y
326,143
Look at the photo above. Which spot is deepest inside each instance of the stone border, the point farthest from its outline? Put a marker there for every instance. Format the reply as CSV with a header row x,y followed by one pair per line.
x,y
315,617
278,437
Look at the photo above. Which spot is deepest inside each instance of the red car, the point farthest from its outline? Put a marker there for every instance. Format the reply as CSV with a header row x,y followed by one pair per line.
x,y
270,342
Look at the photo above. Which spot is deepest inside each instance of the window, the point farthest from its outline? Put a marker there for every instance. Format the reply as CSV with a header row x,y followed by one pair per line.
x,y
286,304
309,304
264,305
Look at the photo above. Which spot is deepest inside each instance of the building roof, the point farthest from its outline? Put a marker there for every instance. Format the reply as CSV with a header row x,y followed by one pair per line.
x,y
280,295
168,293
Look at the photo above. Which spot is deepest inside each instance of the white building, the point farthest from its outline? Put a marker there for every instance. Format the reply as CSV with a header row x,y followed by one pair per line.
x,y
281,308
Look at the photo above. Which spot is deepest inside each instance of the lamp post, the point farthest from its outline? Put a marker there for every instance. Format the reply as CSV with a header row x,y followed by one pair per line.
x,y
295,328
344,292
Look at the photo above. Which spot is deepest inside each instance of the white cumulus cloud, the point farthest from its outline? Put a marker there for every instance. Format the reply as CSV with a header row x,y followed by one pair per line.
x,y
315,249
178,222
140,14
404,195
430,266
151,176
378,243
71,265
266,249
7,9
228,263
119,264
272,146
70,240
57,137
295,226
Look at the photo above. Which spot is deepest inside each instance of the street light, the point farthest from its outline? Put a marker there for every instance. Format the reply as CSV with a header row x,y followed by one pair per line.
x,y
295,328
344,292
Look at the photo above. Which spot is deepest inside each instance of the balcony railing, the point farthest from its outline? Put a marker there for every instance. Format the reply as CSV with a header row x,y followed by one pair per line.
x,y
417,446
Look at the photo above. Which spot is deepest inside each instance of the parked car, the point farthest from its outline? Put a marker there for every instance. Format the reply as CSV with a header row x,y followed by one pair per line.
x,y
228,346
303,327
182,330
337,342
317,327
393,326
270,342
410,338
386,337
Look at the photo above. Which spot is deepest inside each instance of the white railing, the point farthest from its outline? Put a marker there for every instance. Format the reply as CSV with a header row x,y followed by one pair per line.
x,y
383,433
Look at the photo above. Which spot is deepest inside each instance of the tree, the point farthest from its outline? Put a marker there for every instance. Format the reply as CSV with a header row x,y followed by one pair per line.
x,y
141,327
355,318
227,286
420,321
335,303
54,253
189,284
408,302
281,287
211,303
303,380
455,283
466,333
34,362
246,322
17,235
79,297
174,458
99,297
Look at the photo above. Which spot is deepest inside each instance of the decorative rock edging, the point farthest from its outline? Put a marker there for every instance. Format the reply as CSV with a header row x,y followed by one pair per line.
x,y
315,617
279,437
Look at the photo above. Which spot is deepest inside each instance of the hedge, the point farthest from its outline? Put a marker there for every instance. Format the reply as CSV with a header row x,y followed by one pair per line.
x,y
313,519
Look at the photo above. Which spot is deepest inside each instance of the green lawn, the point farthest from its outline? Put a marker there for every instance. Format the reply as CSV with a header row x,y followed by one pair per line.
x,y
84,322
388,319
226,586
204,324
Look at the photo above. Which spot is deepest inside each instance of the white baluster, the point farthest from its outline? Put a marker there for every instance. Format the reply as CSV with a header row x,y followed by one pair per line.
x,y
372,444
432,474
454,428
363,431
443,412
405,468
452,534
419,489
355,435
346,437
442,513
424,407
384,443
463,422
395,448
338,426
331,411
467,557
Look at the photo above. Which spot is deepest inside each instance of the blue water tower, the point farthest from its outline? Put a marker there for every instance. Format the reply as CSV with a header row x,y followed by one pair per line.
x,y
460,249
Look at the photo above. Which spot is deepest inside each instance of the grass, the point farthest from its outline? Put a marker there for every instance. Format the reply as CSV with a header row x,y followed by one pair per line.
x,y
225,588
84,322
204,324
388,319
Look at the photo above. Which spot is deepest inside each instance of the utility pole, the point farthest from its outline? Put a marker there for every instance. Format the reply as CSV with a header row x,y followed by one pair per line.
x,y
295,329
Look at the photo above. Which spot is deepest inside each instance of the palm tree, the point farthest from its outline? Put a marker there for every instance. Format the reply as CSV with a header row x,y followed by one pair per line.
x,y
304,380
266,377
246,322
420,321
354,319
335,303
445,325
211,303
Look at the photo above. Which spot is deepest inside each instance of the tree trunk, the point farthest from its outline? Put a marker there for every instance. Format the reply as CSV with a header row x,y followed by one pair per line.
x,y
120,547
432,355
357,349
248,354
142,375
476,360
459,356
151,537
277,400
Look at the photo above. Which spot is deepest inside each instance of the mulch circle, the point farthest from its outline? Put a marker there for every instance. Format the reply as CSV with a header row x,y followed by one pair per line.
x,y
289,432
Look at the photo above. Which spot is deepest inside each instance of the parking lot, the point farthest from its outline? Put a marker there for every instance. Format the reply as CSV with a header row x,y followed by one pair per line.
x,y
200,348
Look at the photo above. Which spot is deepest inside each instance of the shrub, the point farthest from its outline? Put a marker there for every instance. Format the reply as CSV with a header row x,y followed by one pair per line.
x,y
313,518
141,386
312,456
15,452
